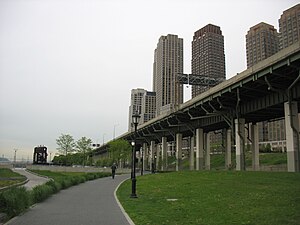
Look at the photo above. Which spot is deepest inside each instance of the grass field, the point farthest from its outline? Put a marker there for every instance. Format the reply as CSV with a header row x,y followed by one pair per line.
x,y
217,161
217,197
8,177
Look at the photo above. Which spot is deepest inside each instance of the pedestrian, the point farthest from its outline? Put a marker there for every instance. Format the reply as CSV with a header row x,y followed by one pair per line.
x,y
113,170
152,168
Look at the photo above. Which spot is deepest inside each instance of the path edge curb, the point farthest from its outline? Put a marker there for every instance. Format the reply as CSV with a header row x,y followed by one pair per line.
x,y
120,205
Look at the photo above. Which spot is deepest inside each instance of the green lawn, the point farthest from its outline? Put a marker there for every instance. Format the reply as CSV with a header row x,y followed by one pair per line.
x,y
217,197
272,158
217,161
8,177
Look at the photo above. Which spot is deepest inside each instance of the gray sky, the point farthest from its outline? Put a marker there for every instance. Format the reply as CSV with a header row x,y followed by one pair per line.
x,y
68,66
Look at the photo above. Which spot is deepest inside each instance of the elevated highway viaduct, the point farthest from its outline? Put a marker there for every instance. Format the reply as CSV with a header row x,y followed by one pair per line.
x,y
264,92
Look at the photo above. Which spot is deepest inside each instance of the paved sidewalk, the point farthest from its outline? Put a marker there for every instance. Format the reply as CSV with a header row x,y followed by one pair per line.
x,y
90,203
33,180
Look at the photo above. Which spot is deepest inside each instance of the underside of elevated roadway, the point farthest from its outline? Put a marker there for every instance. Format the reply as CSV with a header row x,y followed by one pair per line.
x,y
257,94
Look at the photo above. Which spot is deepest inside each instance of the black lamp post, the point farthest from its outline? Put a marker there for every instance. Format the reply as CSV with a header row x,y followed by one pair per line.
x,y
135,121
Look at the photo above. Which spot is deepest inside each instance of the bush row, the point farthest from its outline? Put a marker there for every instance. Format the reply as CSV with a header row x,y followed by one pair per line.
x,y
16,200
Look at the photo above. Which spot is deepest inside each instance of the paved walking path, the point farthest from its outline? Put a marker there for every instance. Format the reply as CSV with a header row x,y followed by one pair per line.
x,y
33,180
90,203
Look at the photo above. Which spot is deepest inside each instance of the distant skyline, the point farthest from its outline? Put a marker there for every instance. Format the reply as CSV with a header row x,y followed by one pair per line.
x,y
68,66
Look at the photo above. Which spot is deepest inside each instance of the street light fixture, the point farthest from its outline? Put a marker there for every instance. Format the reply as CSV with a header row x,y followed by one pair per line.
x,y
135,121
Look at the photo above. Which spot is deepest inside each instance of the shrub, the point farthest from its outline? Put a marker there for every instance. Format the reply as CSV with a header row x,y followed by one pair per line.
x,y
65,183
82,179
14,201
77,180
56,186
41,192
90,176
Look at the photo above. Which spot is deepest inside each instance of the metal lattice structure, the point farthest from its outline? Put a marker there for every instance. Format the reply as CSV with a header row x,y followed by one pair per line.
x,y
40,155
198,80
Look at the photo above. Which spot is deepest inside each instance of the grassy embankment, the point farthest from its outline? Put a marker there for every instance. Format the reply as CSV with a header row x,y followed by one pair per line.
x,y
16,200
217,161
215,197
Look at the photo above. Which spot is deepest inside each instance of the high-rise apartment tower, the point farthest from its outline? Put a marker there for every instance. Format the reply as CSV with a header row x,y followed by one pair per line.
x,y
148,106
142,102
208,57
261,42
168,62
135,104
289,27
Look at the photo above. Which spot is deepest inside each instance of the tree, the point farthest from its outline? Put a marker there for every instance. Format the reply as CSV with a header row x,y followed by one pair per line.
x,y
65,144
59,160
119,150
83,146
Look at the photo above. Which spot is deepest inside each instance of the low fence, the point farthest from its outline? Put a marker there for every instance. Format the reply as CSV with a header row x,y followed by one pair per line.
x,y
275,168
8,166
11,165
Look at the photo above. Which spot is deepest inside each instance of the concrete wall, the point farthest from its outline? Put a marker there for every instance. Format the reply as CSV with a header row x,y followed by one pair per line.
x,y
75,169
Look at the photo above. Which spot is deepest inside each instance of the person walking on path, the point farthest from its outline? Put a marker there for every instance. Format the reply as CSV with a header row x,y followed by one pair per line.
x,y
113,170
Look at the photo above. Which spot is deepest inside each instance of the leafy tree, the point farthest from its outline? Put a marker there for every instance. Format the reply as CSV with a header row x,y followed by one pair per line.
x,y
104,162
71,159
119,150
65,144
59,160
76,159
83,146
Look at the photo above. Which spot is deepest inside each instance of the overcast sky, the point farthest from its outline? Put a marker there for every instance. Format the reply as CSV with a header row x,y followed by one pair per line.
x,y
68,66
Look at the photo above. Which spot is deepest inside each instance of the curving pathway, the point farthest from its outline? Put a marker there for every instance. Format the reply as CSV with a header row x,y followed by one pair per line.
x,y
90,203
33,180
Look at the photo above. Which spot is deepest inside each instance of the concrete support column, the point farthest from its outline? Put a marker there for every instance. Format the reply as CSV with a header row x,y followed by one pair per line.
x,y
145,151
139,158
152,151
207,151
192,153
164,148
158,156
255,147
178,151
228,149
240,143
292,136
199,149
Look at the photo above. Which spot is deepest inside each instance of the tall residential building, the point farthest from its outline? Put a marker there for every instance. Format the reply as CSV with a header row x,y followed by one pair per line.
x,y
142,102
208,57
261,42
168,62
148,106
135,104
289,27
